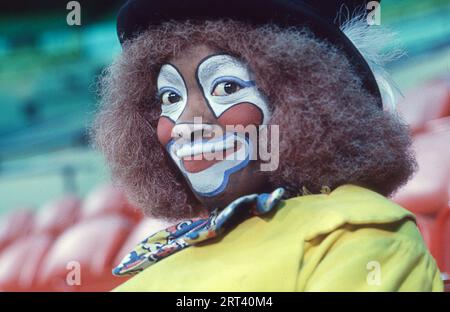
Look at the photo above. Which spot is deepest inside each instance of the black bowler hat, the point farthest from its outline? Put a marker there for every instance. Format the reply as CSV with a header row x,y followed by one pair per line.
x,y
319,16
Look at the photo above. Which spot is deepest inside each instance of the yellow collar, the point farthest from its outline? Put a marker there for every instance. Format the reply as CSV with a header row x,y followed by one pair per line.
x,y
347,204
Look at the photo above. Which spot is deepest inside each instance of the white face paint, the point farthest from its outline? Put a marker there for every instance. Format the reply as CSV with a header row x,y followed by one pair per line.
x,y
213,74
171,81
215,71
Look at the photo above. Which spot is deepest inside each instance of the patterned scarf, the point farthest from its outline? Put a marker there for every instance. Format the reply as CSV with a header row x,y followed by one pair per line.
x,y
190,232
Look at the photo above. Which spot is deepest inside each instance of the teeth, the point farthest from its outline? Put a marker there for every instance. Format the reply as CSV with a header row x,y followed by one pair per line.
x,y
200,147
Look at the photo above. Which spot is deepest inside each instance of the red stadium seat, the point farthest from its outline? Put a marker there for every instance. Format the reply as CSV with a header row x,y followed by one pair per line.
x,y
427,191
426,102
106,200
15,225
57,215
441,240
426,224
436,125
142,230
88,248
20,262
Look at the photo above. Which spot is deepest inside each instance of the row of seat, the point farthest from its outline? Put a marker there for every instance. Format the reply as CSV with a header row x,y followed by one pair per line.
x,y
427,110
81,257
69,245
427,192
425,103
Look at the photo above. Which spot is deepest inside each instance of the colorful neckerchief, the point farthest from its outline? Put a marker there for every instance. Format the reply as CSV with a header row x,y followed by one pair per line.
x,y
190,232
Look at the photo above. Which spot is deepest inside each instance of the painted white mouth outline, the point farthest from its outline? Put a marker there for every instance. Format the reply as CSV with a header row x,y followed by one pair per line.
x,y
245,150
189,151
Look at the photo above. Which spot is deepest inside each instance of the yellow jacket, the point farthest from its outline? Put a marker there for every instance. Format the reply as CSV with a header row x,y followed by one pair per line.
x,y
350,240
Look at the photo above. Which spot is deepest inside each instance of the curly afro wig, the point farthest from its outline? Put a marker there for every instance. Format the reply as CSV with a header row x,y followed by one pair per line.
x,y
331,130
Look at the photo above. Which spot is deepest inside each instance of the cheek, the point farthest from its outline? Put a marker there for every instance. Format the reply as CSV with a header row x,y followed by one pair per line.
x,y
164,130
242,114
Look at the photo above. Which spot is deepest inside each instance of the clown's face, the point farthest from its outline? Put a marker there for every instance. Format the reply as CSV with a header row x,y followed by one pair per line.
x,y
208,99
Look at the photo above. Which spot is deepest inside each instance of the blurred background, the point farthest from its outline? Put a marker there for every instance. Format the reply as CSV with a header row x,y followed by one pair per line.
x,y
54,186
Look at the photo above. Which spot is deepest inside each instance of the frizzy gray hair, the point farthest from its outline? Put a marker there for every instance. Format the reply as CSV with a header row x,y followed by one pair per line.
x,y
331,130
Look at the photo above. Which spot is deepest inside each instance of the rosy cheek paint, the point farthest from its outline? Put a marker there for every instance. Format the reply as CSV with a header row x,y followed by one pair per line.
x,y
164,130
241,114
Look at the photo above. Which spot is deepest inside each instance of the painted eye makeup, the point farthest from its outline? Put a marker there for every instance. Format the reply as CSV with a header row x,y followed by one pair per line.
x,y
226,82
224,86
172,92
169,96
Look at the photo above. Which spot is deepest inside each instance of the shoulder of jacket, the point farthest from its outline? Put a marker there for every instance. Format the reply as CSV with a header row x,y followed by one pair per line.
x,y
316,215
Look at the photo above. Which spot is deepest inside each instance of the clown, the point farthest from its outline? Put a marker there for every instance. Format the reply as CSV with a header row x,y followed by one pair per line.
x,y
263,133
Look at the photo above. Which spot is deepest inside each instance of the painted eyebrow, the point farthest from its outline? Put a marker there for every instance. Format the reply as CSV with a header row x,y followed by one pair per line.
x,y
214,66
169,76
